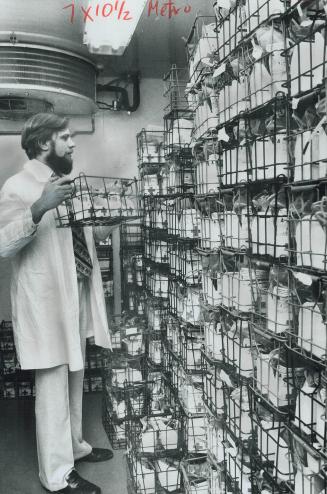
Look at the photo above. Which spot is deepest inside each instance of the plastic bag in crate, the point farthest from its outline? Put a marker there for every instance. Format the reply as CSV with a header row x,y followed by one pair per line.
x,y
168,475
144,477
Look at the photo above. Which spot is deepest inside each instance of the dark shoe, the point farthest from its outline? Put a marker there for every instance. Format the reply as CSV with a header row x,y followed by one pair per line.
x,y
96,455
78,485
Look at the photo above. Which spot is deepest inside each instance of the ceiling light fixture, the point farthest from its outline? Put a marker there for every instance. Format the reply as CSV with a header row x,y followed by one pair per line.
x,y
109,26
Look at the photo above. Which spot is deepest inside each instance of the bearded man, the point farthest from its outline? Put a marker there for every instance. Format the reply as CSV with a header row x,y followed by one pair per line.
x,y
57,299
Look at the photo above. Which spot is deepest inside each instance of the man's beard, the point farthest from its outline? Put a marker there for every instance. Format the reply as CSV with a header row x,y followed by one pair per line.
x,y
60,165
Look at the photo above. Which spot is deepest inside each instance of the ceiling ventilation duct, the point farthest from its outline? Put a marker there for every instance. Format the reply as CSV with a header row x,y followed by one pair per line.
x,y
43,63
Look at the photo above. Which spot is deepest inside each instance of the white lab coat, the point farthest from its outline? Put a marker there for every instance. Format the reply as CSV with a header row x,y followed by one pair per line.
x,y
44,292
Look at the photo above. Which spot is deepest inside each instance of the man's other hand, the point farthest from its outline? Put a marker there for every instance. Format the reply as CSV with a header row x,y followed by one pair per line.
x,y
55,191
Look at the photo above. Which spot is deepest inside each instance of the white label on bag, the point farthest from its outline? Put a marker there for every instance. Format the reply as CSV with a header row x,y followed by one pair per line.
x,y
222,135
220,70
131,331
295,102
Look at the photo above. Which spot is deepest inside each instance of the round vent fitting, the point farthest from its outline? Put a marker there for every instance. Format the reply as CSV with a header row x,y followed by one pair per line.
x,y
63,80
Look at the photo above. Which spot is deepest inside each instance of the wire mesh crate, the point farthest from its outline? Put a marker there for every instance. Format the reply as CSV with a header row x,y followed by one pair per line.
x,y
121,367
237,345
156,248
132,343
310,411
215,438
134,300
236,218
100,201
309,152
269,223
115,431
273,381
231,83
191,306
175,82
269,145
190,344
9,363
113,404
173,217
190,393
180,175
194,435
309,468
213,337
174,339
8,390
238,405
189,222
213,394
238,467
6,336
237,20
236,282
307,305
211,222
175,296
141,475
270,294
216,480
168,475
150,185
131,236
235,155
178,133
212,280
137,397
157,284
26,388
231,29
201,46
158,436
150,153
155,314
134,269
307,226
307,54
208,168
188,260
206,109
266,64
273,448
257,12
195,475
154,348
158,213
174,266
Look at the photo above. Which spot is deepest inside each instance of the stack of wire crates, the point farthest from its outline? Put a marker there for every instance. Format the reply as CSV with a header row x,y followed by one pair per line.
x,y
125,370
131,247
261,199
125,393
18,383
14,383
235,239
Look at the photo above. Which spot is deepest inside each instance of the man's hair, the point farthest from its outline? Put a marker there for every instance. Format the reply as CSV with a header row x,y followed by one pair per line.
x,y
39,129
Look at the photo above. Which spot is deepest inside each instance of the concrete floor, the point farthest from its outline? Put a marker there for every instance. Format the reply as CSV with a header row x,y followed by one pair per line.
x,y
18,460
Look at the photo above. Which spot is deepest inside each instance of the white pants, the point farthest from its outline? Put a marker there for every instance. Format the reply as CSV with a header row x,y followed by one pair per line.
x,y
58,411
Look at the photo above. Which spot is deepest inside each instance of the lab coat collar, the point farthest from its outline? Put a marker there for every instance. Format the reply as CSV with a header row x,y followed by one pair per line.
x,y
39,170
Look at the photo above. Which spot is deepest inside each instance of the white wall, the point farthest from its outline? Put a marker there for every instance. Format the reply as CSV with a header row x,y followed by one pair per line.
x,y
110,151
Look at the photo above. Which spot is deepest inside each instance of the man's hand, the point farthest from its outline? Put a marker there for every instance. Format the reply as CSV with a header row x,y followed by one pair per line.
x,y
55,191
